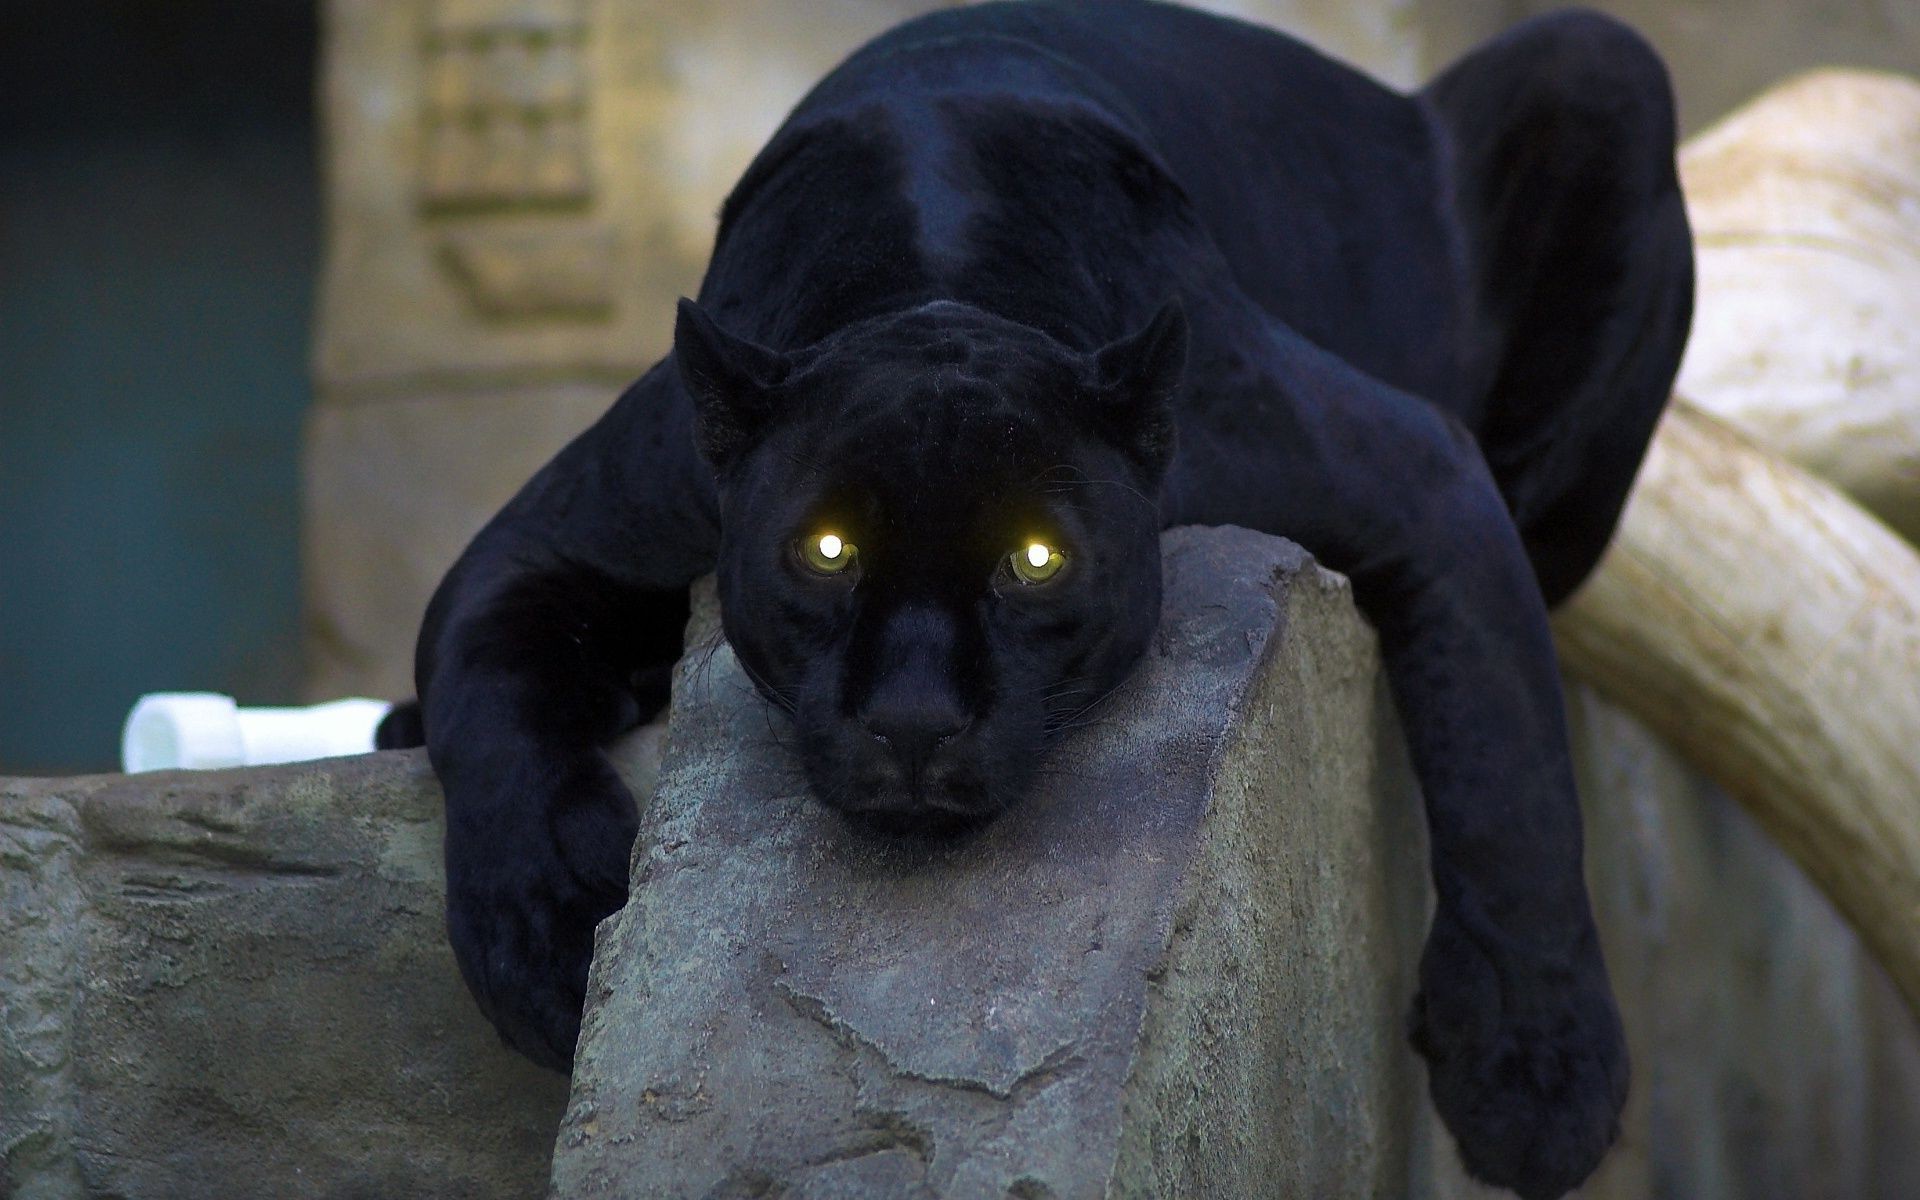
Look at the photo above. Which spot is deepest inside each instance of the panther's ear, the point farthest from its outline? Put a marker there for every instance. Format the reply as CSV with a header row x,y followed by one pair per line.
x,y
730,380
1137,378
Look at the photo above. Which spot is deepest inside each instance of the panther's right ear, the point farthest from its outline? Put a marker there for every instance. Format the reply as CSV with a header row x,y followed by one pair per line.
x,y
1136,379
730,379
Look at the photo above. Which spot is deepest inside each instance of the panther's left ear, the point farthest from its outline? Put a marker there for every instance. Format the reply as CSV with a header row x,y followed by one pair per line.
x,y
730,379
1137,378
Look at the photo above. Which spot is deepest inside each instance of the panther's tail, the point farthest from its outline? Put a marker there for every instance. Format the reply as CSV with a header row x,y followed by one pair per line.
x,y
401,728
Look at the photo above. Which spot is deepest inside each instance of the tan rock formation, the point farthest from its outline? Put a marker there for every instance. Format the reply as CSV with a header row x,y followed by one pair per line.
x,y
1806,211
1769,628
1761,621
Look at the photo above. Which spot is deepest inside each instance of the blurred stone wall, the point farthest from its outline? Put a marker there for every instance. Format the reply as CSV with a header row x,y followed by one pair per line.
x,y
517,190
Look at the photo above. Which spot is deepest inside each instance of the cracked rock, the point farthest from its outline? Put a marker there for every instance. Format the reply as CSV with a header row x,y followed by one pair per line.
x,y
1119,987
1181,969
236,983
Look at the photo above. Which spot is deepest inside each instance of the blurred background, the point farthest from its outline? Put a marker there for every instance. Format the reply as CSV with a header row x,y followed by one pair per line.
x,y
159,237
294,294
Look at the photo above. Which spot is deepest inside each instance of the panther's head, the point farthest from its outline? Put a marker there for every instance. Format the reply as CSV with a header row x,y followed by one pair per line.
x,y
940,541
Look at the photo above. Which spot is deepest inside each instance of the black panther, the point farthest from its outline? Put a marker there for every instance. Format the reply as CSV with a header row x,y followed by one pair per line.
x,y
1012,290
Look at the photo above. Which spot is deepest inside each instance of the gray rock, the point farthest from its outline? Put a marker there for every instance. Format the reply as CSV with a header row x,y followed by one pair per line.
x,y
1182,969
236,983
1179,968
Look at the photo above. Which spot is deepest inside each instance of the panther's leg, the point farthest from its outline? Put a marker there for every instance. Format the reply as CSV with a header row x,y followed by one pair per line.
x,y
553,633
1515,1014
1560,144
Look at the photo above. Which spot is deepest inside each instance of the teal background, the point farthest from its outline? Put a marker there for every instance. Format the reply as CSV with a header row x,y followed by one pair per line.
x,y
159,233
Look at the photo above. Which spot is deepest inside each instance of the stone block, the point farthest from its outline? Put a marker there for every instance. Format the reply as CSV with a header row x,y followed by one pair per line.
x,y
1805,206
235,983
1180,969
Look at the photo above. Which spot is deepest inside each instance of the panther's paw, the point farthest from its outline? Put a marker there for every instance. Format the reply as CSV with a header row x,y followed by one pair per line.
x,y
529,877
1527,1062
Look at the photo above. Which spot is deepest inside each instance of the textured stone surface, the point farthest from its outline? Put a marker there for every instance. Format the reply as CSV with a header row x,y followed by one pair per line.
x,y
1183,968
1120,984
1805,208
235,983
1772,1056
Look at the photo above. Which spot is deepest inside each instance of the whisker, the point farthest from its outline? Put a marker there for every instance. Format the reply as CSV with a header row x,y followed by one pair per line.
x,y
1081,479
777,695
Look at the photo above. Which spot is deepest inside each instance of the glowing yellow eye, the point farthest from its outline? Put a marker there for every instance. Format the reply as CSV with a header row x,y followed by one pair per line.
x,y
1037,562
827,553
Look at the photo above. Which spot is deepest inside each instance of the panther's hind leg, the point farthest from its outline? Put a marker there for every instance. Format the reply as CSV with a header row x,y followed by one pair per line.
x,y
1561,161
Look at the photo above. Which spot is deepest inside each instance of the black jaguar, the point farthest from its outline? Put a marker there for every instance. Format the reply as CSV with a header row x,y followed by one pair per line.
x,y
1016,287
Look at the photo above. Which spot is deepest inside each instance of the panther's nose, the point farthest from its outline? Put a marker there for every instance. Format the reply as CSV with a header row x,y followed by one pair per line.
x,y
914,733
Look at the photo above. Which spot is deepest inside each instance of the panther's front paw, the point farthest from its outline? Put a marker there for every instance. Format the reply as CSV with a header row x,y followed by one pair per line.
x,y
530,873
1527,1061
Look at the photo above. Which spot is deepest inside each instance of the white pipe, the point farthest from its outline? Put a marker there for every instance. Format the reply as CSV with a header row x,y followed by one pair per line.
x,y
204,730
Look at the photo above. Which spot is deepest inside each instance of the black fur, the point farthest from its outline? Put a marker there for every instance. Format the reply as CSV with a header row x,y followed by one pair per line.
x,y
1077,273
